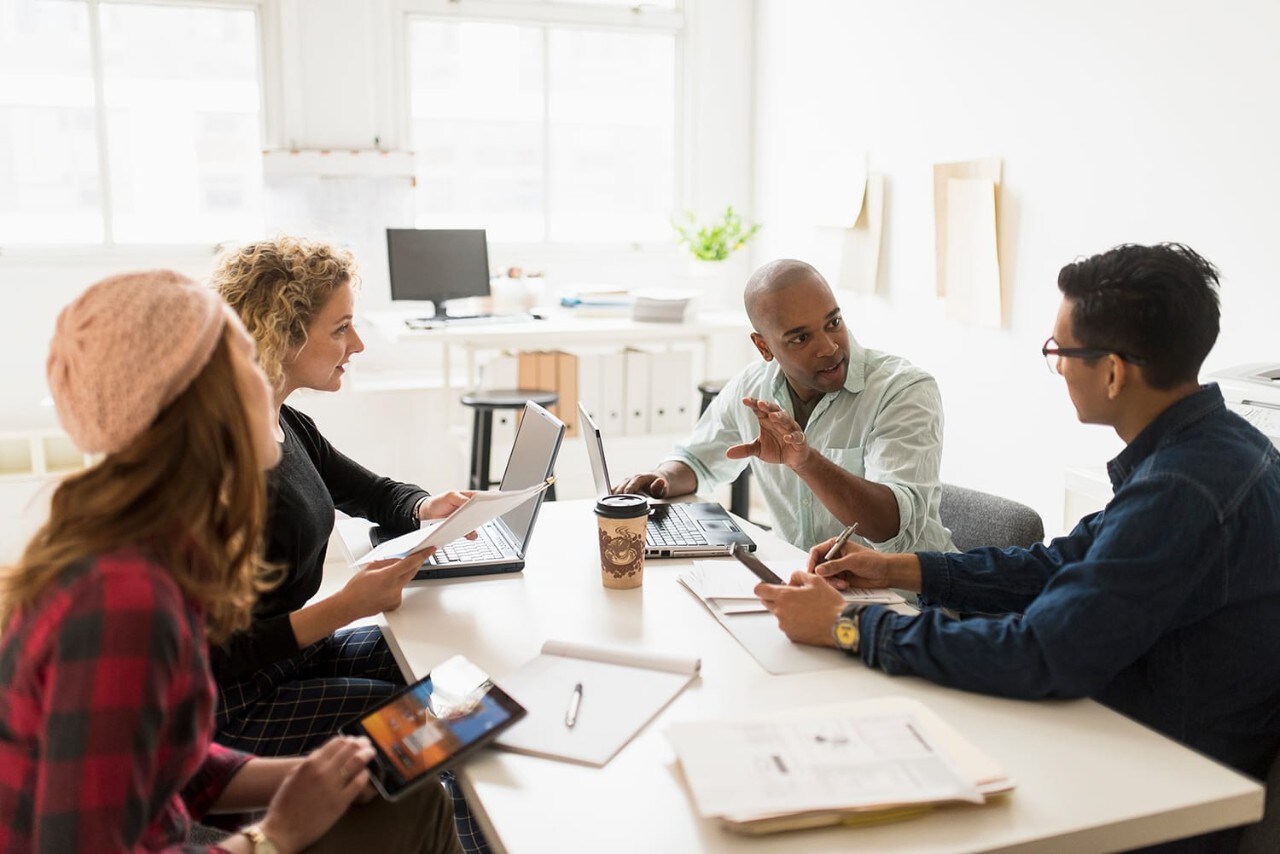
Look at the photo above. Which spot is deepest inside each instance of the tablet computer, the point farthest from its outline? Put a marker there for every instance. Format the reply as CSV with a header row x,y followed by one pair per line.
x,y
433,724
756,565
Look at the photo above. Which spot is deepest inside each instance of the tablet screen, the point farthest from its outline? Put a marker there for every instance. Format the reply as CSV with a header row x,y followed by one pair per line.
x,y
433,723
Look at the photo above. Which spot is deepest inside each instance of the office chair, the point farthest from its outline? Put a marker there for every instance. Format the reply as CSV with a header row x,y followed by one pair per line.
x,y
1264,837
981,519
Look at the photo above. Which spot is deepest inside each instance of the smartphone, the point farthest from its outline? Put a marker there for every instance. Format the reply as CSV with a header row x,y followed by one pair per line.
x,y
756,565
433,724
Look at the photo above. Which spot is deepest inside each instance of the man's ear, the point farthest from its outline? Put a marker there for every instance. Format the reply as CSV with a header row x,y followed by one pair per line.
x,y
1118,376
761,347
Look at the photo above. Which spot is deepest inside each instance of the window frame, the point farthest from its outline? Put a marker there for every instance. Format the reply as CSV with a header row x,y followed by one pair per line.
x,y
641,17
267,21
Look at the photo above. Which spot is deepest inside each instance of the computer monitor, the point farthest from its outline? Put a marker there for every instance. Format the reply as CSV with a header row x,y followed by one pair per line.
x,y
437,264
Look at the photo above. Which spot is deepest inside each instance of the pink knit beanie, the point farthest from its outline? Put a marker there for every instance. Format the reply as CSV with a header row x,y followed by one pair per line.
x,y
125,349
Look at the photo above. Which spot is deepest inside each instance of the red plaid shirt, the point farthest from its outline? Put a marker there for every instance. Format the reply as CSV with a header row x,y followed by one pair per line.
x,y
106,714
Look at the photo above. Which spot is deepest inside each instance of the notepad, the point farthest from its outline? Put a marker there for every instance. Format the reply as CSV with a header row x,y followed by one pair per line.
x,y
854,763
622,690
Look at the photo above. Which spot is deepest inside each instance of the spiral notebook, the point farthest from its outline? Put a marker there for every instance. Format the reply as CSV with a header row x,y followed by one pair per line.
x,y
608,694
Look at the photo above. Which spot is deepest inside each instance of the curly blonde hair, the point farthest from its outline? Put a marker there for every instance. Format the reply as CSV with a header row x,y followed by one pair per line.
x,y
277,287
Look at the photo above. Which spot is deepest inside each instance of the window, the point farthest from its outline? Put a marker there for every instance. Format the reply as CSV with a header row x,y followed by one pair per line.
x,y
145,128
545,131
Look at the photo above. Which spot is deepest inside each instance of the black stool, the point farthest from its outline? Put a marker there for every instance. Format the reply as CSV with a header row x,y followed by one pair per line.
x,y
740,489
484,402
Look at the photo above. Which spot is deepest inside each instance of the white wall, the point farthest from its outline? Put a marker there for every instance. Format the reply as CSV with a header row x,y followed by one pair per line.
x,y
1118,121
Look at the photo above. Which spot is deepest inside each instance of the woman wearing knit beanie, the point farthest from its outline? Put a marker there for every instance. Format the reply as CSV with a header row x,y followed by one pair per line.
x,y
106,702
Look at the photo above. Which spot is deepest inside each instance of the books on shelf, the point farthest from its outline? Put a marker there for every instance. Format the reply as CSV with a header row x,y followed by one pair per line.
x,y
862,762
613,694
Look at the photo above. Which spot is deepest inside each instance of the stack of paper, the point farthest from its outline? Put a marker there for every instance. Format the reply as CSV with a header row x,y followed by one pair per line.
x,y
873,760
660,306
726,586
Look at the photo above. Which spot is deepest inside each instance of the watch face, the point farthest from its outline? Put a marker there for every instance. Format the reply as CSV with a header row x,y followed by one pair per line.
x,y
846,633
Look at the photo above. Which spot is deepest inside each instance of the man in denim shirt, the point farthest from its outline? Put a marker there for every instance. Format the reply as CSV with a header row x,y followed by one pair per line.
x,y
1165,606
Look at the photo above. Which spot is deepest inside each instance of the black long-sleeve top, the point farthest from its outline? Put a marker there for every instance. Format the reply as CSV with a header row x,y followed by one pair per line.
x,y
311,480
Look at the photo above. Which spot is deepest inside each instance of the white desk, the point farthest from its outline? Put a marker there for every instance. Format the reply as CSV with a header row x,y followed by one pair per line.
x,y
1088,779
559,331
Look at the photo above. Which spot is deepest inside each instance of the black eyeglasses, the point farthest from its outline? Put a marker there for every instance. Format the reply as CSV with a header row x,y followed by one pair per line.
x,y
1053,353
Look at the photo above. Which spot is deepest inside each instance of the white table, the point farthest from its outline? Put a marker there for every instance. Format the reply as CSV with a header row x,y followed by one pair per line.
x,y
1088,779
560,330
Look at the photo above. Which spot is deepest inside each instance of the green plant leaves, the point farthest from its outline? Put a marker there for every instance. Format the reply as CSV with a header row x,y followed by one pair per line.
x,y
716,240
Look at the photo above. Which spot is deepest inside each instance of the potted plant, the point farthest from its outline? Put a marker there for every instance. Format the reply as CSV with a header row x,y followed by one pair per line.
x,y
715,240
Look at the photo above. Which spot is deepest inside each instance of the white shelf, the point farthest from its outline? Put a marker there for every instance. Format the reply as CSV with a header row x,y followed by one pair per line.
x,y
337,163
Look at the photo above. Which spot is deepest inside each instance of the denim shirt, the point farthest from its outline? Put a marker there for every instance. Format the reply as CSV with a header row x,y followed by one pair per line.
x,y
1164,606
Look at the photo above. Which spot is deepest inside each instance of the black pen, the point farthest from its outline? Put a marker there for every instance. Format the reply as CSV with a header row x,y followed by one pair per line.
x,y
575,700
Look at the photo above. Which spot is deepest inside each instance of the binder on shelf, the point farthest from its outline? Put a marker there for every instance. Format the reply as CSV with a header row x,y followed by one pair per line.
x,y
862,762
501,372
567,387
671,391
613,390
636,420
613,694
591,386
552,370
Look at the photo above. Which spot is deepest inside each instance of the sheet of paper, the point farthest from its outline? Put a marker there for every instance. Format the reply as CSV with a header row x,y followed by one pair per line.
x,y
730,585
768,767
973,262
479,508
860,258
839,180
987,169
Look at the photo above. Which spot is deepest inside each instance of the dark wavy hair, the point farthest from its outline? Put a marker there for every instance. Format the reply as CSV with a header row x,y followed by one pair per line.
x,y
1156,303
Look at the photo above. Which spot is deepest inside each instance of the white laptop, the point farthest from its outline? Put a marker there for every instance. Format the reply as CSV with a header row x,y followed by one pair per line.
x,y
695,529
500,545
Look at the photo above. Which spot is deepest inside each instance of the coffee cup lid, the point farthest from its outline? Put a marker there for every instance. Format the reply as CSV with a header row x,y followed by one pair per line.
x,y
622,506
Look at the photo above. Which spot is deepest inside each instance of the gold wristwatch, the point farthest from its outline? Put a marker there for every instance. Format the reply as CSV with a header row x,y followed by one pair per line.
x,y
262,844
846,630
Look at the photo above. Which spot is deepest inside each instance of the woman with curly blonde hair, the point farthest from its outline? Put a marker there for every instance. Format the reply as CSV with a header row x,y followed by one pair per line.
x,y
297,673
106,702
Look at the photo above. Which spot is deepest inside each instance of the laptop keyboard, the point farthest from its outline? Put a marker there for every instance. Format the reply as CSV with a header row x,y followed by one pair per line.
x,y
482,548
675,528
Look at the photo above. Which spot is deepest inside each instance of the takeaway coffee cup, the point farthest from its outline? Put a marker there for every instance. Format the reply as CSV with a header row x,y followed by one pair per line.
x,y
620,523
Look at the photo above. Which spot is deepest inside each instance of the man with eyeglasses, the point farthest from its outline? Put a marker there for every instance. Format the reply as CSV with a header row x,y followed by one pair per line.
x,y
1164,606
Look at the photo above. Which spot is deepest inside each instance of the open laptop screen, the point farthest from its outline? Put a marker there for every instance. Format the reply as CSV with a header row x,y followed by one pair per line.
x,y
595,452
532,461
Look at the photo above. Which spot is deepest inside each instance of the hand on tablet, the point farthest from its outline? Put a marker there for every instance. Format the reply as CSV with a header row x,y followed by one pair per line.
x,y
315,794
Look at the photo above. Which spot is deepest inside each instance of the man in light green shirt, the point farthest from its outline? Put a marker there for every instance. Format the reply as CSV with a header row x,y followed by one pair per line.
x,y
835,434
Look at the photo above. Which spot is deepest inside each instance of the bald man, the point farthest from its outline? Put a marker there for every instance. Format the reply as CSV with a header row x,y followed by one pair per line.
x,y
834,434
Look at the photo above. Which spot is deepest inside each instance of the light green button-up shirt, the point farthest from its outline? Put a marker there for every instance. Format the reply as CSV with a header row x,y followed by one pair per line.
x,y
885,425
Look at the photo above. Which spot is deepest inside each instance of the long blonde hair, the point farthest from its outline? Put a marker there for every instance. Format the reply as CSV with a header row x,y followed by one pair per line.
x,y
189,493
277,287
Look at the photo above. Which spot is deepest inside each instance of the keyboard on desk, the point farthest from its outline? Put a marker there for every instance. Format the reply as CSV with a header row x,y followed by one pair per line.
x,y
467,320
674,528
482,548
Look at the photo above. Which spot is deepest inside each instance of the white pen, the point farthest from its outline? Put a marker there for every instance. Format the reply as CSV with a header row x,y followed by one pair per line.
x,y
575,700
840,541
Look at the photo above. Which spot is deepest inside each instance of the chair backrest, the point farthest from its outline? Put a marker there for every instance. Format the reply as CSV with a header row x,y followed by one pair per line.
x,y
981,519
1264,837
